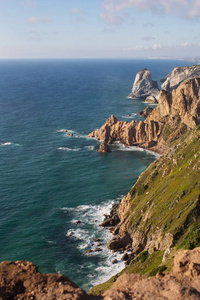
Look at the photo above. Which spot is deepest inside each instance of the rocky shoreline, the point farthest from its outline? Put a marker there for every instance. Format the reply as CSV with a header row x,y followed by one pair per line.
x,y
158,217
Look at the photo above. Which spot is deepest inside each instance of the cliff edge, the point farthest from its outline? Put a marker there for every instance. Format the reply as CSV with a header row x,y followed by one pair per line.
x,y
22,280
179,75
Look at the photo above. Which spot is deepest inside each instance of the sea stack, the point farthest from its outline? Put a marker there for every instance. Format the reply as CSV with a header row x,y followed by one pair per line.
x,y
104,148
144,86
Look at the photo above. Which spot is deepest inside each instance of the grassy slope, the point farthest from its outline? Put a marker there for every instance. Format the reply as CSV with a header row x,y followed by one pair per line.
x,y
169,191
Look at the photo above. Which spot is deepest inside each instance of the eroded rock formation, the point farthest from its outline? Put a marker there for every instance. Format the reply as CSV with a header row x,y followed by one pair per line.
x,y
182,283
22,280
144,86
179,75
177,109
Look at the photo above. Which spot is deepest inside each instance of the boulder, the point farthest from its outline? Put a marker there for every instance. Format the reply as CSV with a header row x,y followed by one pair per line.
x,y
104,148
115,261
119,242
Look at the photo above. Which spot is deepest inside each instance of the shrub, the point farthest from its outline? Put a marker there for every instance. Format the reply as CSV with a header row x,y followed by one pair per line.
x,y
158,269
142,189
192,239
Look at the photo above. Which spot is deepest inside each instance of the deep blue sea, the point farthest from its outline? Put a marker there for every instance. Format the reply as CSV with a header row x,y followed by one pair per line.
x,y
48,179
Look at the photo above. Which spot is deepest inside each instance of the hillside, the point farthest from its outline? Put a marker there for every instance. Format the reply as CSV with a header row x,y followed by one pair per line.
x,y
161,213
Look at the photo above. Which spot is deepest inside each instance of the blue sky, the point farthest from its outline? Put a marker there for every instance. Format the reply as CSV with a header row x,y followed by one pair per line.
x,y
99,28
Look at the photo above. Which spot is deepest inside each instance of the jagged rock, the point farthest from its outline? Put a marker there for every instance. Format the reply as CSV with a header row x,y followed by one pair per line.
x,y
183,282
22,280
97,240
151,99
97,249
177,108
179,75
118,242
125,257
147,111
183,102
127,133
144,86
115,261
104,148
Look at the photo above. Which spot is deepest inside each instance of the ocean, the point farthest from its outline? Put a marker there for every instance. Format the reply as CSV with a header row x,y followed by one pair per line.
x,y
50,179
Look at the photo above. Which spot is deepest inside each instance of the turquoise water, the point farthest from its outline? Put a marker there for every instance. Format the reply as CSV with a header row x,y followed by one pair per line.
x,y
50,179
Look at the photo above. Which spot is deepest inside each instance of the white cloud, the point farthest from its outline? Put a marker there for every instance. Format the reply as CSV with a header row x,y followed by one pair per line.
x,y
183,8
111,18
35,20
162,47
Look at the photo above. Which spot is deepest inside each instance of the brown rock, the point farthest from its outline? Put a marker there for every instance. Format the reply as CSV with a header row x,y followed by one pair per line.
x,y
22,280
124,257
98,250
178,108
115,261
118,242
151,99
182,283
104,148
88,250
97,240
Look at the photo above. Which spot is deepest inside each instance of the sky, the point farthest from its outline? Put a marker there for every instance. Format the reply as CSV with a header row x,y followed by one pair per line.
x,y
99,28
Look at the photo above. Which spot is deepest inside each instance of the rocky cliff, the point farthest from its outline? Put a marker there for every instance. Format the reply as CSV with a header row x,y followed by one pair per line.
x,y
176,112
22,280
161,213
144,86
179,75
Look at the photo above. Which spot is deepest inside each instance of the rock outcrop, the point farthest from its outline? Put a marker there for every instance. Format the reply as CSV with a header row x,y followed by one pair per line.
x,y
179,75
144,86
104,148
182,283
22,280
177,110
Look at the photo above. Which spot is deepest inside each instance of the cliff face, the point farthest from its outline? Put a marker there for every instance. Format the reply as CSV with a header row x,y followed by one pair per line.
x,y
158,213
179,75
21,280
144,86
176,111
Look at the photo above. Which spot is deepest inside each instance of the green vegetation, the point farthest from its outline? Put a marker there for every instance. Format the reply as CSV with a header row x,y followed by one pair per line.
x,y
166,197
146,266
100,288
192,238
142,189
158,269
169,190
